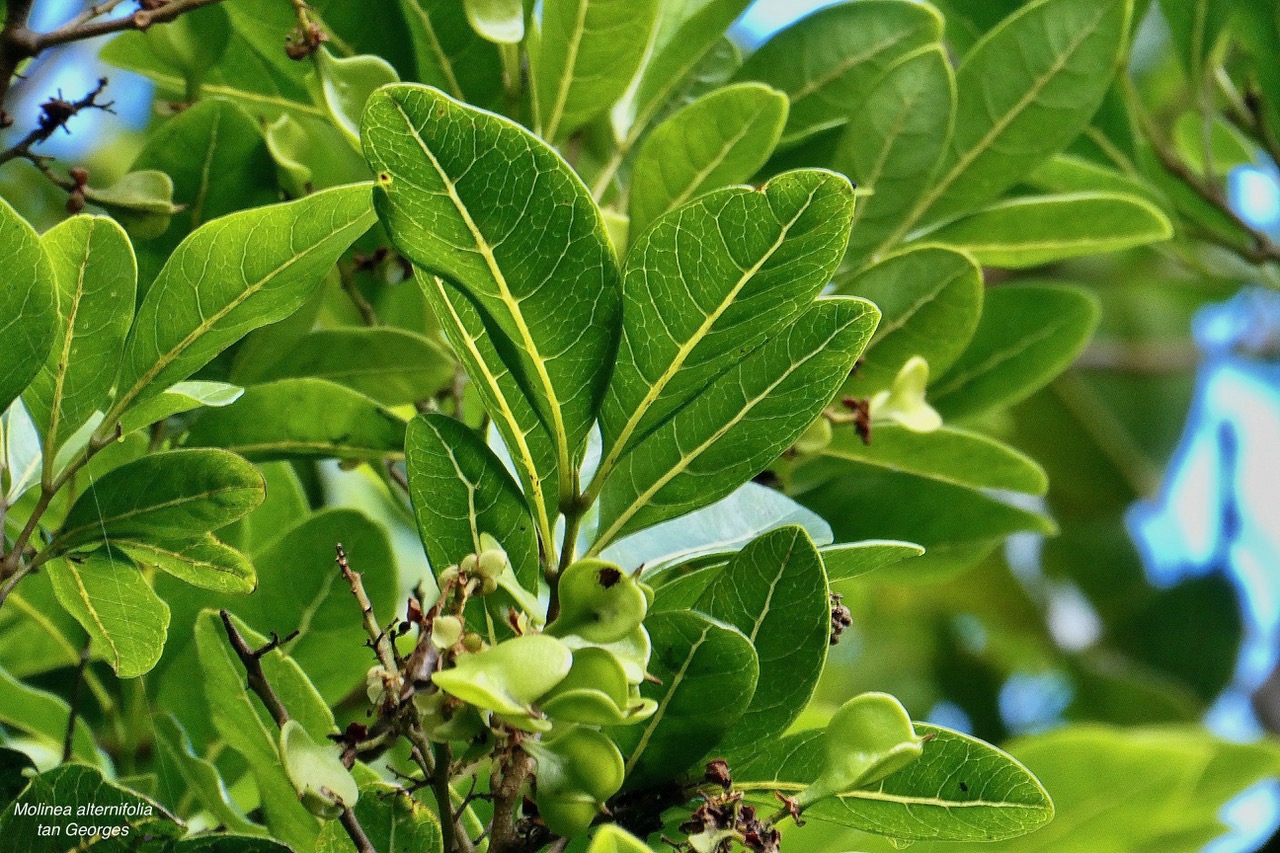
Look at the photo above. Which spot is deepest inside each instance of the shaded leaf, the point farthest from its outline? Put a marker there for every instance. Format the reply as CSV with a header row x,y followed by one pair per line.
x,y
302,418
28,306
708,674
45,716
204,562
394,821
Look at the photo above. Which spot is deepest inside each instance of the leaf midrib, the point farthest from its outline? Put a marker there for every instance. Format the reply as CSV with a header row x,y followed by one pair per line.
x,y
559,436
446,63
103,521
59,385
687,458
686,349
566,78
715,162
661,710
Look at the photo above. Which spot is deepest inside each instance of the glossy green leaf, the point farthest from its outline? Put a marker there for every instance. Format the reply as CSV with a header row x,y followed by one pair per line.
x,y
1028,334
855,559
204,562
393,366
181,398
393,820
827,62
1143,789
77,786
949,454
775,592
707,673
243,722
721,275
740,423
293,418
527,439
931,300
110,598
960,789
177,494
536,259
460,490
586,54
498,21
28,306
196,775
1025,91
96,277
893,141
450,54
231,276
142,201
44,715
720,139
1037,230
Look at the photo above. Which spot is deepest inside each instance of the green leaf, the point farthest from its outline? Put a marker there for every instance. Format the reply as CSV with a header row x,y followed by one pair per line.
x,y
960,789
109,597
707,675
775,592
957,525
347,83
231,276
176,494
527,440
1196,27
610,839
855,559
893,141
721,528
390,365
45,716
299,587
948,454
827,62
740,423
721,275
76,786
535,256
141,200
720,139
586,54
293,418
181,398
1025,91
286,503
498,21
199,778
1028,335
14,766
931,301
1029,232
450,54
687,32
869,738
243,722
459,490
1137,789
96,277
393,820
28,306
204,562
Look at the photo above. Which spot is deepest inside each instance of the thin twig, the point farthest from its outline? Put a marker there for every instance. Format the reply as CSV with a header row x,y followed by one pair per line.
x,y
380,641
143,19
55,113
252,661
513,772
356,831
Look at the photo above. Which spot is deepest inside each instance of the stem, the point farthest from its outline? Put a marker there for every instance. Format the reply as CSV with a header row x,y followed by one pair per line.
x,y
252,661
378,638
512,775
356,831
73,711
444,796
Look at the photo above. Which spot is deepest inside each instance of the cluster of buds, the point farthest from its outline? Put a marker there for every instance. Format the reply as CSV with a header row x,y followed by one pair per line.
x,y
723,822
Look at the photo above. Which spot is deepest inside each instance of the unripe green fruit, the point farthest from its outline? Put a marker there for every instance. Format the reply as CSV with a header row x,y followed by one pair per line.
x,y
473,643
469,564
446,631
492,563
